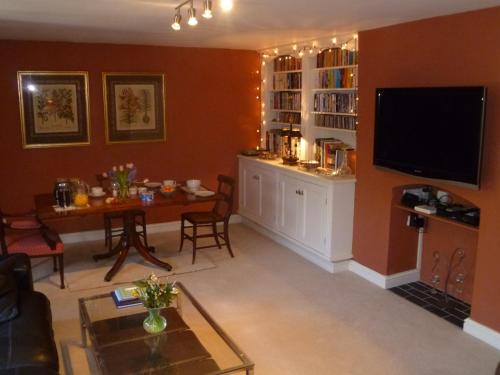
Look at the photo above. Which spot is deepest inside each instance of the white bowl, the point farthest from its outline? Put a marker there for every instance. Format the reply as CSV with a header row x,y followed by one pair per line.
x,y
193,184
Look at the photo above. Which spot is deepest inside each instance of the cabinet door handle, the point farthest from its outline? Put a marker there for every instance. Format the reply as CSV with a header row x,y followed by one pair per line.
x,y
255,177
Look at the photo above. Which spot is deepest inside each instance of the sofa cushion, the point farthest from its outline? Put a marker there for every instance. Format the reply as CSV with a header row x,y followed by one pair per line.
x,y
28,340
8,290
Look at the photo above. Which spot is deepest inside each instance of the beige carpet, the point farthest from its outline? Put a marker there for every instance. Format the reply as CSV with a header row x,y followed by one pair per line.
x,y
291,317
83,273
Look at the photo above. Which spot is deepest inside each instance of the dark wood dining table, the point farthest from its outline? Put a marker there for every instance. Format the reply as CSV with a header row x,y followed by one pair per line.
x,y
44,206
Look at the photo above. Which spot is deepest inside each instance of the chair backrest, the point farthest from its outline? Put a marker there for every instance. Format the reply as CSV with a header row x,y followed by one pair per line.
x,y
224,206
3,244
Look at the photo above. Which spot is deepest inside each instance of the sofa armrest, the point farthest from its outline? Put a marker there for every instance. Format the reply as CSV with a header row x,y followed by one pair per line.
x,y
22,270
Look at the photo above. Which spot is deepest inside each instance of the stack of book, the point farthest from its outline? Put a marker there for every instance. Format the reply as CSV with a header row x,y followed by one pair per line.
x,y
287,81
124,297
336,57
286,101
335,102
283,63
337,78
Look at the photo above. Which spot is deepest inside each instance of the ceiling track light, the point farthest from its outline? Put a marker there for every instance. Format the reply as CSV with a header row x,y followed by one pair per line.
x,y
177,21
192,21
207,9
191,12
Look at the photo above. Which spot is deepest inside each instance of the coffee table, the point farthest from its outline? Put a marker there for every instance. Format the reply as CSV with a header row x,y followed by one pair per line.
x,y
192,344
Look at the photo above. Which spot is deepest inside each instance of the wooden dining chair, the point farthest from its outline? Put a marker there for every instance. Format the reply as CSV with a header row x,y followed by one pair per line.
x,y
220,213
26,234
113,221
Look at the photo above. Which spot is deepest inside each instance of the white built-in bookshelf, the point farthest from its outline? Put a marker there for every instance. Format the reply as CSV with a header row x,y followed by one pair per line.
x,y
316,91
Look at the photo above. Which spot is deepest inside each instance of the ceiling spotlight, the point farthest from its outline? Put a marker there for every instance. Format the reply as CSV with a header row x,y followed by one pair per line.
x,y
177,19
294,47
207,5
275,51
226,5
311,50
192,21
301,53
355,36
334,40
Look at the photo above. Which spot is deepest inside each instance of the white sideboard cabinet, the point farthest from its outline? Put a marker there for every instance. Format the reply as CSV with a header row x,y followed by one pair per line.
x,y
309,214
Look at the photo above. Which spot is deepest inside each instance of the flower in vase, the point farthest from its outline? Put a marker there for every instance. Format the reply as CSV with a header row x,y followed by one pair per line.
x,y
153,293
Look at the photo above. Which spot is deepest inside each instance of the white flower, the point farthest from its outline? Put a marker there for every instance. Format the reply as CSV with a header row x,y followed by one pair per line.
x,y
130,165
120,168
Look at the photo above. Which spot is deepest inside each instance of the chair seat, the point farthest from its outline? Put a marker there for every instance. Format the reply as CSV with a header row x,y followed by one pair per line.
x,y
202,217
32,243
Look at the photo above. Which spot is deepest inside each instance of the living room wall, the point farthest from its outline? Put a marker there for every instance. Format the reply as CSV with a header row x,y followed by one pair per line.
x,y
211,114
453,50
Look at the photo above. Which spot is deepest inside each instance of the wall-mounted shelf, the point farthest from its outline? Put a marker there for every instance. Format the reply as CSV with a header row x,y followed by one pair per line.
x,y
438,218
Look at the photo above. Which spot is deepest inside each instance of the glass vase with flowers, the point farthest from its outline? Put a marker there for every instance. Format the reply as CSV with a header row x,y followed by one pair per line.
x,y
154,295
122,176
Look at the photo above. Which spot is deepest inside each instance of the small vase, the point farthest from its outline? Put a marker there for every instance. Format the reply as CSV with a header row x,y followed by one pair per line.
x,y
154,322
123,191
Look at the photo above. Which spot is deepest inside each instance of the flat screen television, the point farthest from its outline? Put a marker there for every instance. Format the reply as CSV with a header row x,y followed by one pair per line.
x,y
433,132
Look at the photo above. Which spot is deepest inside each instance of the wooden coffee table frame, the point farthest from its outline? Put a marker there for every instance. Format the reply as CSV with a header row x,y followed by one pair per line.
x,y
86,326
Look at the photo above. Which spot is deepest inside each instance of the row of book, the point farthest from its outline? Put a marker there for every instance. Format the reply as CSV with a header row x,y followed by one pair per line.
x,y
335,102
337,78
286,100
277,142
287,117
325,151
282,63
287,81
335,121
336,57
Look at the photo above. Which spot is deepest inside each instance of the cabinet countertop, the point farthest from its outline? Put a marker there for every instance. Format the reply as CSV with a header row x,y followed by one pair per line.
x,y
294,169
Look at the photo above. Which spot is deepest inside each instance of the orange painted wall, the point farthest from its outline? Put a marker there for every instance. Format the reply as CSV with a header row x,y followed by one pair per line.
x,y
453,50
211,114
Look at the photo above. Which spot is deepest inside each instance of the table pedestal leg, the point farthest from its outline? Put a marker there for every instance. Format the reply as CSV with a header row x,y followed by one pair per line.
x,y
130,238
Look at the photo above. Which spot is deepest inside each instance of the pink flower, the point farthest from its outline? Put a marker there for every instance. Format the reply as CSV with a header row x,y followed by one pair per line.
x,y
104,174
120,168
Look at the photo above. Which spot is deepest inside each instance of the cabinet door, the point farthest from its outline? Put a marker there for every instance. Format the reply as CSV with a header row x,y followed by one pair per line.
x,y
251,191
312,217
288,206
268,197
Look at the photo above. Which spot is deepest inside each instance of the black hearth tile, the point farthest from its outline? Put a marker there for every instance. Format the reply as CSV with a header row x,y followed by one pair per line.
x,y
418,294
460,315
417,301
420,286
436,310
433,300
405,286
455,321
400,292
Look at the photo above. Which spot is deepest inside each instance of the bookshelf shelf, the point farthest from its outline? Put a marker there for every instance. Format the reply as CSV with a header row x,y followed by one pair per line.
x,y
334,113
283,123
336,67
285,90
336,129
287,71
286,110
336,89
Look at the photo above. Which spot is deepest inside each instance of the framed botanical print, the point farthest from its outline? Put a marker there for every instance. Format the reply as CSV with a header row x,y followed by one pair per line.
x,y
134,106
54,108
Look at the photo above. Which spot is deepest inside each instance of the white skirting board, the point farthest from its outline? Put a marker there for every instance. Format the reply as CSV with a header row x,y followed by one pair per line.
x,y
384,281
95,235
327,265
483,333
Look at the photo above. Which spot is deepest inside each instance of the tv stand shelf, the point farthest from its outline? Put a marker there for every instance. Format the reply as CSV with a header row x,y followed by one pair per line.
x,y
438,218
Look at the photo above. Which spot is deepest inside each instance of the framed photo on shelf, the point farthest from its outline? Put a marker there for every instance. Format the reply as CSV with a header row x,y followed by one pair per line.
x,y
134,107
54,108
329,154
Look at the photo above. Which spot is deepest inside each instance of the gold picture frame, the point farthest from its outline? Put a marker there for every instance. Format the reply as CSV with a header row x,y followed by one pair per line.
x,y
134,107
54,108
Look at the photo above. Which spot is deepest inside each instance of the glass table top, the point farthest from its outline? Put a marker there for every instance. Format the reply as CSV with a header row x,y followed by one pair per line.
x,y
192,343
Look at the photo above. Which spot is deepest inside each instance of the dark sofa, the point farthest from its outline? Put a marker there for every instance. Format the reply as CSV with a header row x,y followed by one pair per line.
x,y
27,343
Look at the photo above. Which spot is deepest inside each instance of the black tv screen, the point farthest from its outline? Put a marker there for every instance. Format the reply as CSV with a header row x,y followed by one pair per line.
x,y
433,132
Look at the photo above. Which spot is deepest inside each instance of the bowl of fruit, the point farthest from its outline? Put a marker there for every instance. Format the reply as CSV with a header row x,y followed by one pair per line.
x,y
167,190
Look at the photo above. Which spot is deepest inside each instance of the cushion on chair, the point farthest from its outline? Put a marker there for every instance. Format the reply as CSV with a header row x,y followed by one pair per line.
x,y
8,290
32,243
204,217
23,222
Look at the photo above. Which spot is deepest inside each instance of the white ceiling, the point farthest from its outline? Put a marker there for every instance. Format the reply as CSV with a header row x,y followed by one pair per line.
x,y
252,24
